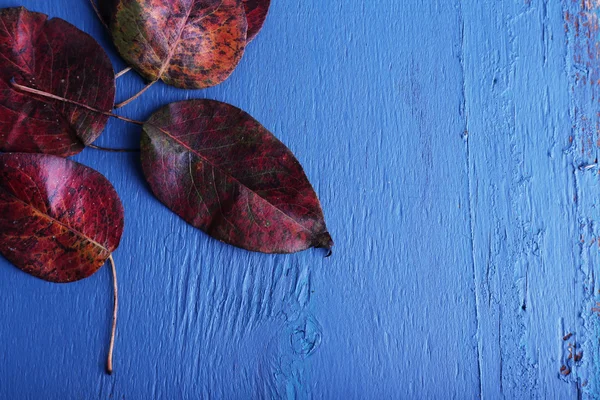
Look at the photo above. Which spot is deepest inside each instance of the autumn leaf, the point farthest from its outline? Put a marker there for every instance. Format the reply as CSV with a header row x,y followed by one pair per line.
x,y
189,44
223,172
59,220
53,56
256,13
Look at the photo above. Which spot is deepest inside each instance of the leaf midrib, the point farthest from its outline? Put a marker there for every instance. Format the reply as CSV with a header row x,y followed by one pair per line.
x,y
176,42
54,220
232,177
31,72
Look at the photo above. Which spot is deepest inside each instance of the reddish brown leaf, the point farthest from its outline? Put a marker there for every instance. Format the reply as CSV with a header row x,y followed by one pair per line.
x,y
186,43
256,13
55,57
223,172
59,220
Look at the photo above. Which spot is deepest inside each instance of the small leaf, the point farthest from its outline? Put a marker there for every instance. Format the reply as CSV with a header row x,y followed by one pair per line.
x,y
189,44
221,171
55,57
256,13
59,220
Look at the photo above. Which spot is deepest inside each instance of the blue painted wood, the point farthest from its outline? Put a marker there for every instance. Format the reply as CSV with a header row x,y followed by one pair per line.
x,y
449,142
524,225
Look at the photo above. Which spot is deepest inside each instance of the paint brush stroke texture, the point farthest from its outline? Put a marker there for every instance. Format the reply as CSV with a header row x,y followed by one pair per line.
x,y
451,143
580,353
531,125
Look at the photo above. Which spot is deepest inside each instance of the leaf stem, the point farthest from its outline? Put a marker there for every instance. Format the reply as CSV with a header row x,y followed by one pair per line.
x,y
95,7
135,96
52,96
113,150
123,72
111,347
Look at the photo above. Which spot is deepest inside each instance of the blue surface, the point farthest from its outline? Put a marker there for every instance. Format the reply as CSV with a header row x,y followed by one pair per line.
x,y
448,142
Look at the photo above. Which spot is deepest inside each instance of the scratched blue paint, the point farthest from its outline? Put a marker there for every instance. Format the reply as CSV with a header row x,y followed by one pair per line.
x,y
453,146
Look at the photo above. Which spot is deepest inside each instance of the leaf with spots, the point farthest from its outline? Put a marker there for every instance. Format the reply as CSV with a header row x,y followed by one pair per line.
x,y
59,220
256,13
224,173
53,56
189,44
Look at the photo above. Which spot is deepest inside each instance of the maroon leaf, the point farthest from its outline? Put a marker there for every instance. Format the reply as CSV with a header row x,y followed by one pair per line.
x,y
187,43
59,220
256,13
223,172
55,57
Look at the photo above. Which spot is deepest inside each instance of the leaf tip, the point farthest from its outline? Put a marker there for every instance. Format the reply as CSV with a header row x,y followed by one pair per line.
x,y
324,241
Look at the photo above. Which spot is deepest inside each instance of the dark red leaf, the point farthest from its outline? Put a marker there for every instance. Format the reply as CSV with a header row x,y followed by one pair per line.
x,y
59,220
187,43
53,56
256,13
223,172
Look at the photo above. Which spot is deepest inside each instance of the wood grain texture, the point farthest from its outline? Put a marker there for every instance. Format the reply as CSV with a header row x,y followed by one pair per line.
x,y
452,144
522,200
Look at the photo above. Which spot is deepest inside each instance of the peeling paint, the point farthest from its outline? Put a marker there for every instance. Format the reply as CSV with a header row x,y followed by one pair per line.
x,y
583,66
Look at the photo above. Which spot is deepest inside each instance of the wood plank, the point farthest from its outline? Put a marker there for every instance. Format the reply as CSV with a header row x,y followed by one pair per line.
x,y
405,306
526,198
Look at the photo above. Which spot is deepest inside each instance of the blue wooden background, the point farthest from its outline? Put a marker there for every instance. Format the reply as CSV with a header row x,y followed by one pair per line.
x,y
453,144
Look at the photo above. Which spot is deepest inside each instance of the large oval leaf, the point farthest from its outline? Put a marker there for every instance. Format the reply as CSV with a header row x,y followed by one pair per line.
x,y
223,172
55,57
256,13
186,43
59,220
